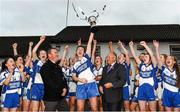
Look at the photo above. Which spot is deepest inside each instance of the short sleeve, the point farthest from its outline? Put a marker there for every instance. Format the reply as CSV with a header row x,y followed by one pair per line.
x,y
162,68
87,56
140,65
74,71
3,77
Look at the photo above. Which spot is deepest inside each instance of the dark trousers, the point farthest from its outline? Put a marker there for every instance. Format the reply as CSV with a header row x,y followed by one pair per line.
x,y
56,105
112,106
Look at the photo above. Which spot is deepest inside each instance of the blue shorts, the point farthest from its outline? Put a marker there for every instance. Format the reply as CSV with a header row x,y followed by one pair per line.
x,y
36,92
86,91
70,94
126,95
134,99
171,99
11,100
146,92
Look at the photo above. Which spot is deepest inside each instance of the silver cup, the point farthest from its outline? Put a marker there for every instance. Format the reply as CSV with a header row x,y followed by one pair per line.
x,y
92,20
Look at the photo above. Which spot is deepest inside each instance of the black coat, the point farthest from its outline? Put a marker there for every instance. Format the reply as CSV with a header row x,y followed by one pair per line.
x,y
54,81
116,76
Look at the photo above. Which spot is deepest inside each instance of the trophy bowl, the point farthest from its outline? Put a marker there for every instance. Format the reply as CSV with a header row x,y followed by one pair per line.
x,y
92,20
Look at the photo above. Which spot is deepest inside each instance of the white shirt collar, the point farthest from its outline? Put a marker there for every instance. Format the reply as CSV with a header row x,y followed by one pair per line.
x,y
113,63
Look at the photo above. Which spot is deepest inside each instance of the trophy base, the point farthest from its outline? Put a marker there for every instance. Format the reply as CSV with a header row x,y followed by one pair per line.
x,y
92,21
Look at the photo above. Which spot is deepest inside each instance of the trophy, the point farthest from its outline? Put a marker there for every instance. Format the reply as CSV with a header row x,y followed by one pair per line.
x,y
92,18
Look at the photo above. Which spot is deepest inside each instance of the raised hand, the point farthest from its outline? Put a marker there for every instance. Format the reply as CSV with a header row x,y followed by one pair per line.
x,y
94,29
110,43
42,38
14,45
156,44
131,43
143,43
66,47
120,43
30,44
79,42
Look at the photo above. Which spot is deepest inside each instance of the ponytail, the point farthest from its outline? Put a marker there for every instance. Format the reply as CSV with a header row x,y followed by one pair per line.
x,y
4,67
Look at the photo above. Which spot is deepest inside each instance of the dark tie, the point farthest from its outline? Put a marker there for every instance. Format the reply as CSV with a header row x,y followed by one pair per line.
x,y
108,68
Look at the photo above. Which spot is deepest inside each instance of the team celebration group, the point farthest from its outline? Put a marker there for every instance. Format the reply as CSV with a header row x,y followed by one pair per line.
x,y
44,81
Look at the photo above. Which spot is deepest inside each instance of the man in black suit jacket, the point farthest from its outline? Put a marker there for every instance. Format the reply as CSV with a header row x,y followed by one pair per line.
x,y
111,84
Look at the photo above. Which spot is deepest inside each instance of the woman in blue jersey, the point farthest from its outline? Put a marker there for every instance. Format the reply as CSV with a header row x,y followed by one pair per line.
x,y
72,86
124,59
28,64
35,90
83,75
134,101
159,76
97,70
10,78
19,63
171,81
147,71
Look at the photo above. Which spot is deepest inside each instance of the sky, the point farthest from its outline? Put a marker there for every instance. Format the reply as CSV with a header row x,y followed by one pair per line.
x,y
48,17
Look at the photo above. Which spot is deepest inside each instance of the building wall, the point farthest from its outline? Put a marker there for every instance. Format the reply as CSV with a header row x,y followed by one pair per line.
x,y
164,48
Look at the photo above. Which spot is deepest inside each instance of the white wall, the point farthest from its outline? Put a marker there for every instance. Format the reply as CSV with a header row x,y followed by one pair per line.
x,y
164,48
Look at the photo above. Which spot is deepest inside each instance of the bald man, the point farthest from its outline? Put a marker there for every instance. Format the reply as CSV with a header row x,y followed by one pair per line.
x,y
111,84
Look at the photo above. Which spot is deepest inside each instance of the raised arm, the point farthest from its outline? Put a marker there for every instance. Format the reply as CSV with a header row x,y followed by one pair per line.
x,y
143,43
131,45
15,49
21,70
64,55
93,51
79,42
156,46
120,45
111,46
42,39
30,49
88,49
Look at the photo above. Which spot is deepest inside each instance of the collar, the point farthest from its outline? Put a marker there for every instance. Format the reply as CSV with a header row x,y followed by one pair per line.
x,y
113,64
51,63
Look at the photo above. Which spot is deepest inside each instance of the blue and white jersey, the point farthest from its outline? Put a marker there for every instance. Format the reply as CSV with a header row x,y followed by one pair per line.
x,y
127,67
84,69
34,72
147,74
68,75
159,76
169,79
98,72
14,84
36,77
28,71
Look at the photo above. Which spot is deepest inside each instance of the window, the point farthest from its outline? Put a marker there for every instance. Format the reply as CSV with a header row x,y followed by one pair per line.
x,y
98,50
175,51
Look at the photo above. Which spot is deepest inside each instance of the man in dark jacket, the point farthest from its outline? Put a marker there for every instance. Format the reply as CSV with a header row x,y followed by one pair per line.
x,y
111,84
55,85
